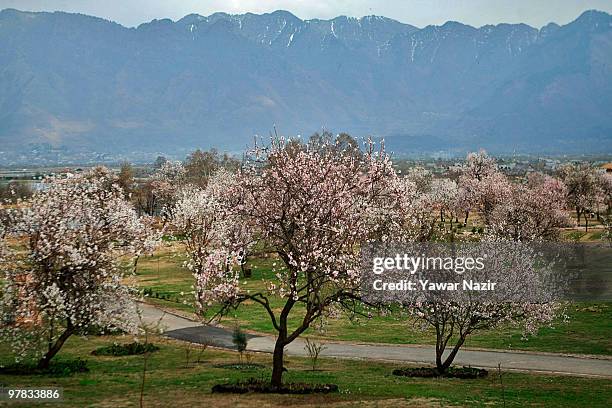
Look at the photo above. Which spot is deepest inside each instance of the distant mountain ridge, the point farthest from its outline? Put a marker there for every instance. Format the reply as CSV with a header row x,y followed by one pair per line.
x,y
84,83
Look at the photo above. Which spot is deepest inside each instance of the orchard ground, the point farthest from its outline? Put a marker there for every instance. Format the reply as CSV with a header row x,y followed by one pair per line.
x,y
174,379
586,331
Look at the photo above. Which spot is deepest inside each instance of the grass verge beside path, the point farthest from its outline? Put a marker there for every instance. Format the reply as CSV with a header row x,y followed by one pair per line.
x,y
171,381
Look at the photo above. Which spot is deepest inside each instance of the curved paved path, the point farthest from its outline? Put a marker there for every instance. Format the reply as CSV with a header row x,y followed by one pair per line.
x,y
184,329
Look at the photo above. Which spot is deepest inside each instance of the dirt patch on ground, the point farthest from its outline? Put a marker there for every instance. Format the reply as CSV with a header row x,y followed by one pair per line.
x,y
276,401
391,403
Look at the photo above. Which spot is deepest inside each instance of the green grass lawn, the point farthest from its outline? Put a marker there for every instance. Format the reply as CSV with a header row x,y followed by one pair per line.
x,y
588,330
171,381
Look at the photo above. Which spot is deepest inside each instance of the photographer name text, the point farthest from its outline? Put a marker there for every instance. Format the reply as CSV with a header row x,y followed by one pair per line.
x,y
427,285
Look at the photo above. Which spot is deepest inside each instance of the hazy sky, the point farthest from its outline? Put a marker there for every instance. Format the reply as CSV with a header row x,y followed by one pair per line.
x,y
416,12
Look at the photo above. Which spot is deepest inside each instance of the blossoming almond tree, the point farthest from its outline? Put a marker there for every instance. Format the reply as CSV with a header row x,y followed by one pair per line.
x,y
74,235
478,165
527,295
166,182
516,212
584,190
312,206
415,207
445,192
214,237
486,194
533,212
421,202
606,186
482,186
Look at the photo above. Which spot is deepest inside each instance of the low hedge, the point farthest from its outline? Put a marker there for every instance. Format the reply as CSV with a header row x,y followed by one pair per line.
x,y
452,372
57,368
259,386
129,349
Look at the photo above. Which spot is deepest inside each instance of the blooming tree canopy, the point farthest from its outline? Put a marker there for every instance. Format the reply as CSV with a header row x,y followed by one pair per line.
x,y
529,297
419,202
478,165
532,212
482,186
312,206
69,277
415,208
445,192
606,186
584,190
214,237
166,182
511,212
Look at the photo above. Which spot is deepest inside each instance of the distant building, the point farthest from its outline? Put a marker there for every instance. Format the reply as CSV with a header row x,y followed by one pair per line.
x,y
607,167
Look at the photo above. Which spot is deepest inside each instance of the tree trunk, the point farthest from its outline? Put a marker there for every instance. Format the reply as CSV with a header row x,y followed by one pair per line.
x,y
278,363
439,346
439,352
467,214
54,348
443,367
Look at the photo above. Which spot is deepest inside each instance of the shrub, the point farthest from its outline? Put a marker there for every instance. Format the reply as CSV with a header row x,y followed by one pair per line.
x,y
129,349
240,340
59,368
265,387
452,372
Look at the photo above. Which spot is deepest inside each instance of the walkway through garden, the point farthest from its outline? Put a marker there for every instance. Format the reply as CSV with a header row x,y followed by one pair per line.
x,y
181,328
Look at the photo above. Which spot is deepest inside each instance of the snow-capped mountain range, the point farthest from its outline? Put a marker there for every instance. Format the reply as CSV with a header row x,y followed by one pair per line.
x,y
82,82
